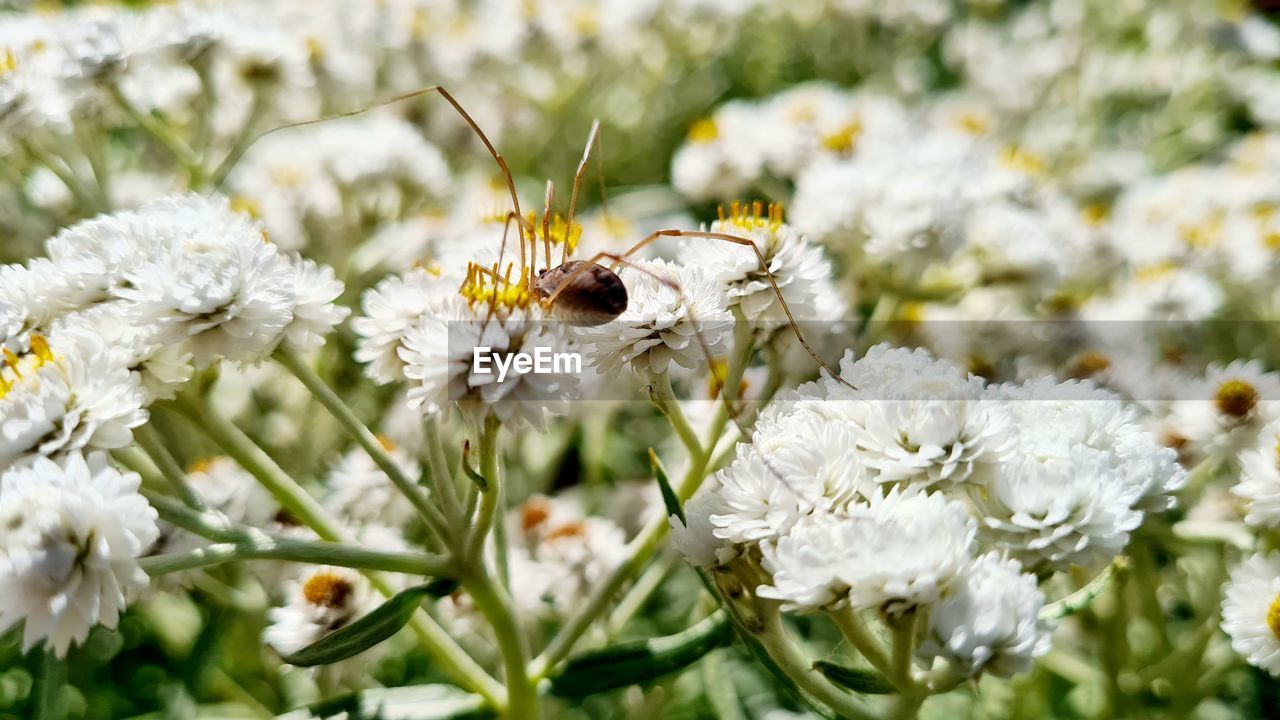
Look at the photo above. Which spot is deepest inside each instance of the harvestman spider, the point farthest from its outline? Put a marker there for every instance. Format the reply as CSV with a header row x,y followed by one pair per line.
x,y
578,292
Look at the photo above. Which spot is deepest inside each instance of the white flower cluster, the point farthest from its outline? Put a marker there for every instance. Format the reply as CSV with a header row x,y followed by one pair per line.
x,y
925,487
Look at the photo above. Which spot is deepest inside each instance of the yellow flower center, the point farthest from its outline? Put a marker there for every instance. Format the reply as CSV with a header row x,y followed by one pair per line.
x,y
486,287
17,367
8,62
1089,363
703,131
1273,617
843,140
1236,398
1015,158
326,589
747,218
972,123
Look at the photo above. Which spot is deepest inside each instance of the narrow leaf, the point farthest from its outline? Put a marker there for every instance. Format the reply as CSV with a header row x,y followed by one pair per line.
x,y
868,682
469,471
642,661
664,483
364,633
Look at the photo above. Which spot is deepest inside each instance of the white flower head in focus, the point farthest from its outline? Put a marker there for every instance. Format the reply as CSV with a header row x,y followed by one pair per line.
x,y
70,533
989,621
1251,611
662,322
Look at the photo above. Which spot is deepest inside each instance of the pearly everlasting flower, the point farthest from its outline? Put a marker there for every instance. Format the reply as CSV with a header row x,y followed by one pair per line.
x,y
894,553
70,533
323,600
1251,611
1259,484
315,313
1227,410
791,469
74,396
390,309
209,277
661,324
801,271
361,492
988,622
695,538
439,356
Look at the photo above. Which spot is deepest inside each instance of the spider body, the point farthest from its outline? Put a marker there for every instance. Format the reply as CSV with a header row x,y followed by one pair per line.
x,y
582,294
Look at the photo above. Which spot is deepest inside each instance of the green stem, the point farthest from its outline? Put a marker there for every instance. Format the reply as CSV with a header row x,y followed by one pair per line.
x,y
910,694
453,659
162,134
788,658
64,173
149,440
242,142
855,630
639,594
53,675
442,480
289,357
665,399
497,607
488,499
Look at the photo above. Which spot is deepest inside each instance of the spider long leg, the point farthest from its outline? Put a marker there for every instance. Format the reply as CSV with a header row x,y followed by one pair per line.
x,y
475,127
546,228
764,266
593,138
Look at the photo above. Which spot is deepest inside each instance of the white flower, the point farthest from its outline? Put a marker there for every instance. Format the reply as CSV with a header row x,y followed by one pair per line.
x,y
722,156
209,276
315,312
988,622
390,309
695,538
661,323
792,468
801,271
1260,479
324,600
360,491
439,355
1227,409
1251,611
894,553
70,533
74,396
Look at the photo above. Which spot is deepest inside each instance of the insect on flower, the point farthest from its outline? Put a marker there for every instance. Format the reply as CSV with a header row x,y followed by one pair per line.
x,y
577,292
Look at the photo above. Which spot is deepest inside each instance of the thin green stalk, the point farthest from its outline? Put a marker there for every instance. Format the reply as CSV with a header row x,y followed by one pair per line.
x,y
453,659
365,438
643,588
855,630
489,499
910,695
442,480
497,607
665,398
161,132
799,668
65,174
149,440
242,142
53,676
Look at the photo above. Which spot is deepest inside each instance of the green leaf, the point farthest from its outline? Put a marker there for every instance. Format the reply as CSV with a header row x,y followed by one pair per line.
x,y
642,661
668,494
442,587
868,682
364,633
419,702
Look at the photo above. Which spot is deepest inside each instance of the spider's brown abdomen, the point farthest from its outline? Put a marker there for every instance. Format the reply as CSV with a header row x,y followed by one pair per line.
x,y
593,296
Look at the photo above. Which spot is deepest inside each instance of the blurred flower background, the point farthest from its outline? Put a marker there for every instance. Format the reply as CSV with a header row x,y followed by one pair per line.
x,y
1024,464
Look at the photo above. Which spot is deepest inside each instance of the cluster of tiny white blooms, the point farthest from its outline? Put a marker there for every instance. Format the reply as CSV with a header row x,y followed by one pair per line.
x,y
1251,611
362,493
323,600
1226,410
989,621
895,552
559,554
301,183
1080,479
389,310
743,142
439,355
675,314
183,271
67,397
800,269
70,535
1259,484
